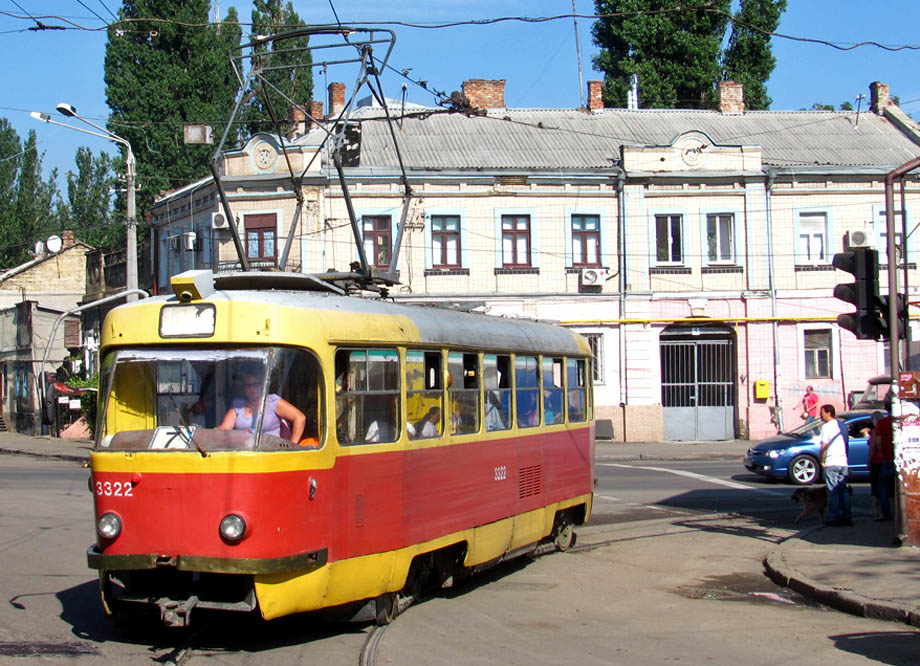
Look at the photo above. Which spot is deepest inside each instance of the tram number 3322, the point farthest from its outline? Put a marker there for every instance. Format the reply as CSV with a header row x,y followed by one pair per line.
x,y
501,473
114,489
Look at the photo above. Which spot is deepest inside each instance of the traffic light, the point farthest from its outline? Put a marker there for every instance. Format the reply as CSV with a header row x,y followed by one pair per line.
x,y
862,263
883,316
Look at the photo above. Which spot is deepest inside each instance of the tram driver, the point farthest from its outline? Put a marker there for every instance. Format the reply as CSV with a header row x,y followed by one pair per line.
x,y
244,412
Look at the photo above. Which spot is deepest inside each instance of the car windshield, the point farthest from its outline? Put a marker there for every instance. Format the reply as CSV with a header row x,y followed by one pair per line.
x,y
210,400
806,430
875,393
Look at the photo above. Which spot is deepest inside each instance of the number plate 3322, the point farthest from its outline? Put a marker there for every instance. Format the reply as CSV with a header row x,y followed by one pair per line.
x,y
113,489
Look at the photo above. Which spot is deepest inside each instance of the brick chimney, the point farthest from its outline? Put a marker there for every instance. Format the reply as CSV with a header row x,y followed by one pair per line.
x,y
316,111
485,93
731,97
595,95
67,238
298,120
879,96
336,98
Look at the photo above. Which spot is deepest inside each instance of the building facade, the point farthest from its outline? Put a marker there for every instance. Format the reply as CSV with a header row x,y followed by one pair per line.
x,y
692,248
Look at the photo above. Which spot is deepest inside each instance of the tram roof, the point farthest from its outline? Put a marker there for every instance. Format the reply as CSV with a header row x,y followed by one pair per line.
x,y
436,326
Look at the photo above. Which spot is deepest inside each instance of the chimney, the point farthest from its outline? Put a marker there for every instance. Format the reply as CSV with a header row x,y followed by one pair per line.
x,y
298,120
316,111
485,93
879,96
336,98
731,97
595,96
67,238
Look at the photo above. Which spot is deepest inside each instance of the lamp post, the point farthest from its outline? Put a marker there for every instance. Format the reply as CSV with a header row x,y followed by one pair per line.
x,y
69,111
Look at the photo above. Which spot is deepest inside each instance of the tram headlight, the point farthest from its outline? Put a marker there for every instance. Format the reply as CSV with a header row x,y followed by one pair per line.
x,y
108,525
232,528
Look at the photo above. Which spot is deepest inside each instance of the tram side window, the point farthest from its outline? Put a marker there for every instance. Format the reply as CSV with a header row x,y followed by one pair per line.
x,y
527,391
553,391
463,392
367,395
296,378
576,380
423,393
497,382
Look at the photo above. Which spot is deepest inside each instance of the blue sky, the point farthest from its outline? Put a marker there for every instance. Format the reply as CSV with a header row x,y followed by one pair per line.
x,y
538,60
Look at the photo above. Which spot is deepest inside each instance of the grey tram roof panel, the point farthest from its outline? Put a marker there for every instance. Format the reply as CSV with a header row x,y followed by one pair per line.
x,y
436,326
576,139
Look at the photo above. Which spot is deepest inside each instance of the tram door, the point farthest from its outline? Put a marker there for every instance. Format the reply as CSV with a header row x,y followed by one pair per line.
x,y
697,385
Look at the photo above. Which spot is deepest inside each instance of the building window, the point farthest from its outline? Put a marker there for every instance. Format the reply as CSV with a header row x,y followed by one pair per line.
x,y
515,240
445,241
812,238
586,240
596,343
818,354
668,239
378,243
882,244
720,237
261,233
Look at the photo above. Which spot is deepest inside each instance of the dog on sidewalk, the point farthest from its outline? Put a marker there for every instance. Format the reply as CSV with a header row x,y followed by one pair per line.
x,y
813,500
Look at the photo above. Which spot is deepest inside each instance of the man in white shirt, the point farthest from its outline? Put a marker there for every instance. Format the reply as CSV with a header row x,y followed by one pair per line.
x,y
836,467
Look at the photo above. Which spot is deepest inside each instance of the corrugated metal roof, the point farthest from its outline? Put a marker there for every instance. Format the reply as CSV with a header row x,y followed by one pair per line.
x,y
576,139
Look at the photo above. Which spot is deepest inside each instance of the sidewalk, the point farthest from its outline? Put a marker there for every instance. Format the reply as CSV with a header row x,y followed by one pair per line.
x,y
854,569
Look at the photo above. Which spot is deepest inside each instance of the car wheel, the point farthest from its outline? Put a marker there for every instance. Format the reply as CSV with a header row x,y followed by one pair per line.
x,y
803,470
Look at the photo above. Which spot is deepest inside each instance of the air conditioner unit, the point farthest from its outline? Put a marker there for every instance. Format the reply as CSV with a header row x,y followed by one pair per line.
x,y
190,241
593,277
218,221
860,238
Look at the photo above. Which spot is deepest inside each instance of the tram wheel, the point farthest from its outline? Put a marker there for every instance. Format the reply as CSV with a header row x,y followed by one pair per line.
x,y
386,608
565,536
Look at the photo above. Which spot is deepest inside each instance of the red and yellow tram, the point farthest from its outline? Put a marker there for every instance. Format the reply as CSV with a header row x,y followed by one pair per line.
x,y
265,444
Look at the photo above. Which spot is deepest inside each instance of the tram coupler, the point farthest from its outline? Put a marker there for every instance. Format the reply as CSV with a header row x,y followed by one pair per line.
x,y
177,613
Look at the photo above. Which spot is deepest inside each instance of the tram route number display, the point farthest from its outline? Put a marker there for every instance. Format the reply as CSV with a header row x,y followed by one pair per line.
x,y
114,488
501,473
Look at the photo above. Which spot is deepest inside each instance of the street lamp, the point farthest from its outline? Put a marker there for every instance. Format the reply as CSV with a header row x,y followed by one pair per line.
x,y
70,111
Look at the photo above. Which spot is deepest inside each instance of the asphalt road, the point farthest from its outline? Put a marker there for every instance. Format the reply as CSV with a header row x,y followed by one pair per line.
x,y
668,572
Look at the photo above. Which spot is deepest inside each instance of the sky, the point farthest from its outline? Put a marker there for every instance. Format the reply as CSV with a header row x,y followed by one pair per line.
x,y
539,61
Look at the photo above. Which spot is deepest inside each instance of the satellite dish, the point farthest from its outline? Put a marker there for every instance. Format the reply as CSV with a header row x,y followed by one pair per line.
x,y
39,248
54,244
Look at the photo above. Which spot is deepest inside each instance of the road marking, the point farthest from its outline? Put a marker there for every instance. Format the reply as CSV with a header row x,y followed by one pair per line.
x,y
693,475
608,498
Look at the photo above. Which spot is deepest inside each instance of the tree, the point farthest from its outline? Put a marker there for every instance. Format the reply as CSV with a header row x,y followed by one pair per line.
x,y
10,159
32,207
675,48
88,211
162,74
749,59
268,18
674,53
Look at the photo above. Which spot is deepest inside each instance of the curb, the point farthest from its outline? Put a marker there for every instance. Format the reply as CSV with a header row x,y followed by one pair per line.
x,y
840,598
70,457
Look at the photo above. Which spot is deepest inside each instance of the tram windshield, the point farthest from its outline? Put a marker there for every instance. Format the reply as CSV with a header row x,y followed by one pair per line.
x,y
210,400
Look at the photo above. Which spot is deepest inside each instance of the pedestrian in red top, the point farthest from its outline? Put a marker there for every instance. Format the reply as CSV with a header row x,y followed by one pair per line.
x,y
810,405
881,448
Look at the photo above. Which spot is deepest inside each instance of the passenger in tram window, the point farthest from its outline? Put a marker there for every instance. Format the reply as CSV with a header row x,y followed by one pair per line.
x,y
244,412
552,406
528,409
496,416
427,426
383,428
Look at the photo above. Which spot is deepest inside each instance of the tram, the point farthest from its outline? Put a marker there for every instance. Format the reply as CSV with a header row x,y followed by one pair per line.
x,y
269,444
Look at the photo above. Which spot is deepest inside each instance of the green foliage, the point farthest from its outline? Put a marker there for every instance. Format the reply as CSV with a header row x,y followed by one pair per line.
x,y
674,53
268,17
160,76
846,106
88,211
749,59
27,211
678,54
88,400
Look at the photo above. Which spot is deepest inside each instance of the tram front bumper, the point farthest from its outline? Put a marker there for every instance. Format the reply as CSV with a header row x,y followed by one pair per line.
x,y
301,562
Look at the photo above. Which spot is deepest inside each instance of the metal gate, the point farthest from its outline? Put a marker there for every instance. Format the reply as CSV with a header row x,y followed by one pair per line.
x,y
697,384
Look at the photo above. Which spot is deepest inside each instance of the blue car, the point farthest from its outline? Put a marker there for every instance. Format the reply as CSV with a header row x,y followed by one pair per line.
x,y
794,455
